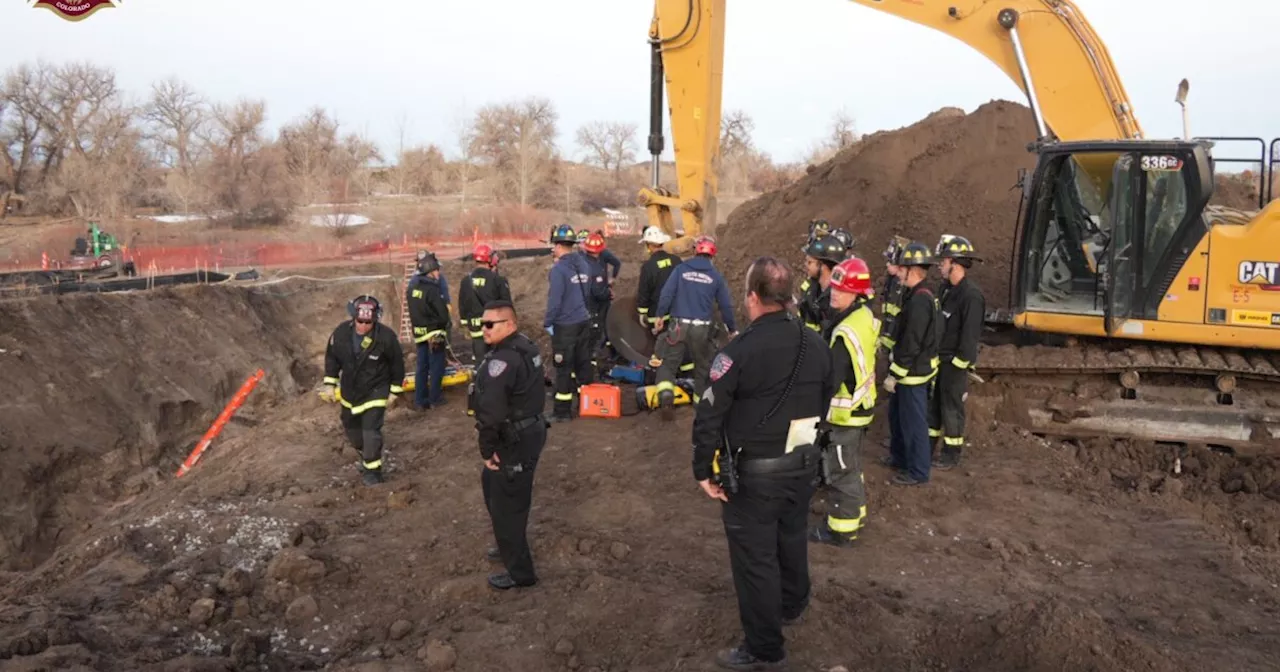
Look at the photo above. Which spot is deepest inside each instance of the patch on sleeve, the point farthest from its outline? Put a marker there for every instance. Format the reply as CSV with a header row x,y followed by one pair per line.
x,y
720,366
496,367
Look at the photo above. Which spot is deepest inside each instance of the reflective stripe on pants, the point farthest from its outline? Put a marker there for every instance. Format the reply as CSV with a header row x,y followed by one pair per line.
x,y
847,498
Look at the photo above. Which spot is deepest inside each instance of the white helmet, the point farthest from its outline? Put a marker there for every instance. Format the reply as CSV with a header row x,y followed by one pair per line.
x,y
655,236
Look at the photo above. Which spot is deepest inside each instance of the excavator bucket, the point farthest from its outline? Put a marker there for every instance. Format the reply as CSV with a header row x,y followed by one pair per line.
x,y
628,337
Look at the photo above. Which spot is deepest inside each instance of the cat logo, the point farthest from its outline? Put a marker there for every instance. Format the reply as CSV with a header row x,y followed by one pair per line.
x,y
75,10
1262,273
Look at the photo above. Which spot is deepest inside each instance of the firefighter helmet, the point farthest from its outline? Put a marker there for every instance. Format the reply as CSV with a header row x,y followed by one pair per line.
x,y
427,263
915,254
853,276
594,244
364,308
955,247
563,234
826,248
705,245
483,253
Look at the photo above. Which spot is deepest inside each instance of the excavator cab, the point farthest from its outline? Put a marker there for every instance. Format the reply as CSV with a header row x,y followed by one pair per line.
x,y
1106,228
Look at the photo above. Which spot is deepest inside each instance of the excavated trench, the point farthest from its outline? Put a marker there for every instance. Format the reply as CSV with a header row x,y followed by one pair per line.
x,y
107,394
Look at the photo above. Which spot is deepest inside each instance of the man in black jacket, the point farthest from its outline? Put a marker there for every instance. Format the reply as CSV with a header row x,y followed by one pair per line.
x,y
653,275
912,366
963,311
478,289
508,400
429,316
364,363
768,389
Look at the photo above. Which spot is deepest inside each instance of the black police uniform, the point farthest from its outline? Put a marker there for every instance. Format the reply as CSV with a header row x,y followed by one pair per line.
x,y
367,370
480,287
766,519
963,310
508,400
653,275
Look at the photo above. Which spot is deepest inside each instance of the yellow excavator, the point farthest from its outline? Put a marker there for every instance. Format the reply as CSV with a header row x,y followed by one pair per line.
x,y
1117,246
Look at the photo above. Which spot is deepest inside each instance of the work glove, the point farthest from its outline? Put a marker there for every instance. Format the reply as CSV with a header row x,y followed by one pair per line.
x,y
890,384
329,393
551,331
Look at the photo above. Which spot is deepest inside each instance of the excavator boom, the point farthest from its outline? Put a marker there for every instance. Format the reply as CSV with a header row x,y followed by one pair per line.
x,y
1045,46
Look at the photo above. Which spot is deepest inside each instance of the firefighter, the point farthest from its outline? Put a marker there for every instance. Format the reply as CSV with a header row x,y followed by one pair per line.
x,y
963,310
429,317
912,366
688,302
482,286
601,295
653,274
767,391
846,240
820,257
567,319
891,292
817,229
853,362
364,364
508,402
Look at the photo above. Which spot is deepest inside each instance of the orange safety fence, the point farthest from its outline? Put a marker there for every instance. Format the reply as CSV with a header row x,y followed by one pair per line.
x,y
227,411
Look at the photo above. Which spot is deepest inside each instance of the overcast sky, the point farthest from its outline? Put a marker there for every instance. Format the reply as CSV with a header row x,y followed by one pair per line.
x,y
789,63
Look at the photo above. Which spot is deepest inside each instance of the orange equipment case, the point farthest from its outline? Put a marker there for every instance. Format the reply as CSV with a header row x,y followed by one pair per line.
x,y
598,400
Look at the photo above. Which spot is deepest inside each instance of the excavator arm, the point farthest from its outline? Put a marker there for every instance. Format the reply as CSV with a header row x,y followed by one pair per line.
x,y
1045,46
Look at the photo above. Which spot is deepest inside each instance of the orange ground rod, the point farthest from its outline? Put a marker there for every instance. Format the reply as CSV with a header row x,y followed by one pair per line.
x,y
228,411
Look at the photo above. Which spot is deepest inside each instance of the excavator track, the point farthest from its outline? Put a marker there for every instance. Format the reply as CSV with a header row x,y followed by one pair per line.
x,y
1162,392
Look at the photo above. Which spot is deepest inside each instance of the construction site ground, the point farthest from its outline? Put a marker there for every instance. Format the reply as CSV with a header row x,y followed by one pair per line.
x,y
1036,554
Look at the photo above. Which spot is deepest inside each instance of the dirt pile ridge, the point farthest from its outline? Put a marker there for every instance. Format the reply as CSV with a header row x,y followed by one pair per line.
x,y
948,173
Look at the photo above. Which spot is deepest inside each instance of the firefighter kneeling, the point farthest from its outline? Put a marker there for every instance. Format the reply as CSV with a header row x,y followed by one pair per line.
x,y
853,357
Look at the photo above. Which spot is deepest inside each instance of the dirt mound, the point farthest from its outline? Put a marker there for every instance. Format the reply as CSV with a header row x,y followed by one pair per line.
x,y
1236,190
112,390
949,173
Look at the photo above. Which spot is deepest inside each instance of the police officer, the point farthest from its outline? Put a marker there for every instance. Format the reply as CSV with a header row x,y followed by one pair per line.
x,y
767,386
653,274
429,317
689,297
820,257
853,361
912,366
363,363
481,287
508,401
567,319
963,310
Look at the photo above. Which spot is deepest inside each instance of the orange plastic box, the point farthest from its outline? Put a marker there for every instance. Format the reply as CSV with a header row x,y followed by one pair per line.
x,y
598,400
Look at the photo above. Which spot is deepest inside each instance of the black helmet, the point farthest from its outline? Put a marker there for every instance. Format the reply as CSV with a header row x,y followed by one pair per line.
x,y
817,229
365,308
827,248
845,238
427,263
955,247
915,254
563,234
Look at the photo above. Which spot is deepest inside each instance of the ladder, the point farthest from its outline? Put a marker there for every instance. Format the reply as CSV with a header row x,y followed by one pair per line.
x,y
406,326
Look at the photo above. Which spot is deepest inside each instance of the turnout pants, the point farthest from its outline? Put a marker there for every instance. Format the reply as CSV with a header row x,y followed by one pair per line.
x,y
429,376
572,358
946,407
847,498
909,430
364,432
766,524
508,497
681,339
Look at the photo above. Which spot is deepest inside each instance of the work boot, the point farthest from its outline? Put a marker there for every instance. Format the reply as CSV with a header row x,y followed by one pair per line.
x,y
888,462
667,402
948,459
492,555
822,534
799,614
905,479
372,477
504,581
738,658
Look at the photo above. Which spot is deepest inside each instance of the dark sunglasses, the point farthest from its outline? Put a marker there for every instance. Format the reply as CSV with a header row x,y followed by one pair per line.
x,y
488,324
364,321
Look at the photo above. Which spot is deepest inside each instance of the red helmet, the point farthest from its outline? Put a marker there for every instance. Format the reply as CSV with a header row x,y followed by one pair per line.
x,y
483,253
594,244
705,245
853,276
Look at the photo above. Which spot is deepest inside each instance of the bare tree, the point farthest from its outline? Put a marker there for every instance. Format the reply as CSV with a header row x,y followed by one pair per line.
x,y
177,116
311,145
517,140
423,169
402,131
738,155
248,174
841,133
609,145
465,131
351,162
